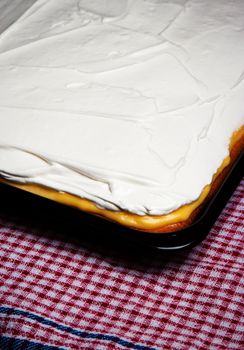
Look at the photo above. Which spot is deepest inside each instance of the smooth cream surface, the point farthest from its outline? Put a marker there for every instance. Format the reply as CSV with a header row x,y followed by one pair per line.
x,y
130,104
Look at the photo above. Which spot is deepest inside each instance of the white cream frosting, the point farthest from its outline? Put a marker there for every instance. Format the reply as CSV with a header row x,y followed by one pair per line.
x,y
128,103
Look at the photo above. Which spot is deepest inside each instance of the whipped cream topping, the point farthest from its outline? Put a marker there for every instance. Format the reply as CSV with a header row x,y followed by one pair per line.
x,y
128,103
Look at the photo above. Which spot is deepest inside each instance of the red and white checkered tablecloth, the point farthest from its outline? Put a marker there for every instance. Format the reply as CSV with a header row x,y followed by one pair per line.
x,y
58,294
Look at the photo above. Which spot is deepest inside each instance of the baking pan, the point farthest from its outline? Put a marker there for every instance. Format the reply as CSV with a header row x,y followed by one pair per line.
x,y
86,227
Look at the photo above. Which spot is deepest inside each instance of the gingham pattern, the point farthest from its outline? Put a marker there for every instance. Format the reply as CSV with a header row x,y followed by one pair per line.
x,y
60,294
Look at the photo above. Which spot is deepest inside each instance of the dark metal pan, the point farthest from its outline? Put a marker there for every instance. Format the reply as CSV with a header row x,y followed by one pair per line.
x,y
38,210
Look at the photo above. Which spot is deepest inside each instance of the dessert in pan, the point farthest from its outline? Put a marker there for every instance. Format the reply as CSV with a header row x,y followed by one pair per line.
x,y
130,110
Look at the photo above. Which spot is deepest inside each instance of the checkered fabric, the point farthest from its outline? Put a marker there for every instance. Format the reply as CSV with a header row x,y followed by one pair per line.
x,y
59,294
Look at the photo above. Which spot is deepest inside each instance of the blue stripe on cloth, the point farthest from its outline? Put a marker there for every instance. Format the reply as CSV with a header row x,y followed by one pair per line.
x,y
76,332
8,343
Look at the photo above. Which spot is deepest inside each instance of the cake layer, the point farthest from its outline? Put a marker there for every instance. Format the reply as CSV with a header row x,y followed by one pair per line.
x,y
176,220
128,104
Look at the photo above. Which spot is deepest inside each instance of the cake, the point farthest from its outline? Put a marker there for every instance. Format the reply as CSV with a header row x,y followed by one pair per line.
x,y
130,110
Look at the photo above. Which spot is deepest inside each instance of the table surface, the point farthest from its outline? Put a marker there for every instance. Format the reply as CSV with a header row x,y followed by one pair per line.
x,y
61,291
